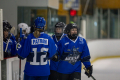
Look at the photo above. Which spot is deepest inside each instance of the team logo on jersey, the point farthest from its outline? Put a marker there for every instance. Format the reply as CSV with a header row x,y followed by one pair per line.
x,y
73,56
39,41
18,46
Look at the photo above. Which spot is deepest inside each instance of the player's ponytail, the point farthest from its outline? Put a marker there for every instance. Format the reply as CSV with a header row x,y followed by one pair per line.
x,y
36,33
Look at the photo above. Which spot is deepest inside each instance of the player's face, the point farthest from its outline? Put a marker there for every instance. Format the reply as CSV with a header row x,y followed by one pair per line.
x,y
5,33
24,31
73,31
58,30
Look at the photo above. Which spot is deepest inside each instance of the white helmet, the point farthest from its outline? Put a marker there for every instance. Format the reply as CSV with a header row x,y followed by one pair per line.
x,y
28,30
24,26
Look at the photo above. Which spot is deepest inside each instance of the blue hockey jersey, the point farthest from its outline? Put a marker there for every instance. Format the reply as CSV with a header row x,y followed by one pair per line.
x,y
72,53
53,64
11,46
36,50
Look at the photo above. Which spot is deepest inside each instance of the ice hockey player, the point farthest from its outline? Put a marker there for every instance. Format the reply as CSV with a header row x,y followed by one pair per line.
x,y
9,42
24,27
59,26
73,50
37,48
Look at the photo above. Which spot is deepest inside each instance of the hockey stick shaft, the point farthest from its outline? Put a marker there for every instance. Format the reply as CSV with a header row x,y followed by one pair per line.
x,y
20,69
20,59
7,43
88,72
93,77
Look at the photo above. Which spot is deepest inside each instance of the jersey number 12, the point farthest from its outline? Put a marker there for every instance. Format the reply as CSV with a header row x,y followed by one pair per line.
x,y
42,57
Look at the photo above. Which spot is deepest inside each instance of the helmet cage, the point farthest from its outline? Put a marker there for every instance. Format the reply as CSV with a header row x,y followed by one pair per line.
x,y
71,26
59,25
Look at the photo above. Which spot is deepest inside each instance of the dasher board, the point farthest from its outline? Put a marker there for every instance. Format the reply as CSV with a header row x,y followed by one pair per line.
x,y
1,34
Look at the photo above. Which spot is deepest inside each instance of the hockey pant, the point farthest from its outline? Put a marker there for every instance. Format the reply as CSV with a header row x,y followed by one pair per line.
x,y
72,76
53,75
26,77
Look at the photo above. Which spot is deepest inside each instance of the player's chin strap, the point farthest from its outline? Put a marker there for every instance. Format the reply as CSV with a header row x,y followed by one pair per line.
x,y
58,34
74,36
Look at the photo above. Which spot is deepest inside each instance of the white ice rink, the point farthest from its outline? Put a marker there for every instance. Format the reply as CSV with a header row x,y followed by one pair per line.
x,y
105,69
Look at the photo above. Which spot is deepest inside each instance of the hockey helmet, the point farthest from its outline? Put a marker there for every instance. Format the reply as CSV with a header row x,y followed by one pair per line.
x,y
24,26
68,28
40,23
6,25
60,25
28,30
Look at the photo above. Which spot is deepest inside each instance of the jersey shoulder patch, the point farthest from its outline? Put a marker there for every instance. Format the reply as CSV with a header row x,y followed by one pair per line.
x,y
81,40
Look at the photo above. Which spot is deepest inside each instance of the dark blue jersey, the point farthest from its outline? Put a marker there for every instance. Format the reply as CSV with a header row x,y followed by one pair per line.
x,y
53,64
37,50
72,53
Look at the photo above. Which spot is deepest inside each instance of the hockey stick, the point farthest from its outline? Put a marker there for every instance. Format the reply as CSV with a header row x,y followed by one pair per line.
x,y
8,42
88,72
20,59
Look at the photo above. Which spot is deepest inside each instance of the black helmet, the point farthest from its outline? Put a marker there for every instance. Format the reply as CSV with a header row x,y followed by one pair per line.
x,y
68,28
6,25
60,25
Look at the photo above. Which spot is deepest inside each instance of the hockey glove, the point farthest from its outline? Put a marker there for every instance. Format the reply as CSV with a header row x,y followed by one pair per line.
x,y
6,54
89,71
9,36
55,58
5,40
